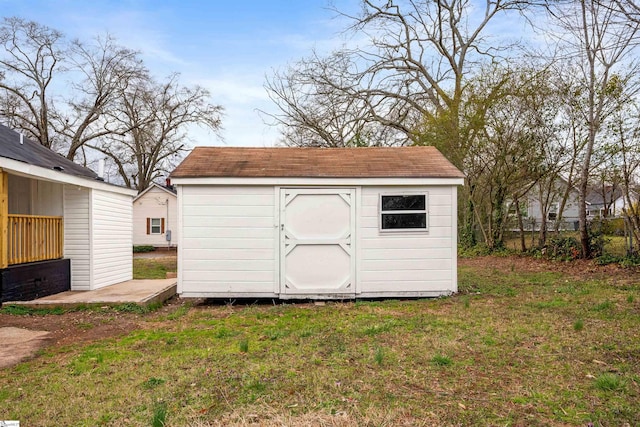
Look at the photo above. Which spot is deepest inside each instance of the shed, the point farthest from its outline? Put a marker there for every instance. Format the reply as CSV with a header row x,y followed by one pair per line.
x,y
305,223
155,218
61,226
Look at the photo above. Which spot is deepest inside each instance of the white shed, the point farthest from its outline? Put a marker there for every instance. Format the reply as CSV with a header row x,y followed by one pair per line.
x,y
306,223
61,226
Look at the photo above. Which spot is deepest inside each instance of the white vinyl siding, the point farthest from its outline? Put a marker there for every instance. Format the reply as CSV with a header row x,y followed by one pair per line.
x,y
34,197
112,238
406,262
228,242
77,232
155,203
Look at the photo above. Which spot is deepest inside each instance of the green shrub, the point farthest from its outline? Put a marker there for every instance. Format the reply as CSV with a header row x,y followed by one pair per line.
x,y
630,261
564,248
606,259
610,226
143,248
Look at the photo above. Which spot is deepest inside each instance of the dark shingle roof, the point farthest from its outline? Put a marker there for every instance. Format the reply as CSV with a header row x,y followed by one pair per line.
x,y
33,153
371,162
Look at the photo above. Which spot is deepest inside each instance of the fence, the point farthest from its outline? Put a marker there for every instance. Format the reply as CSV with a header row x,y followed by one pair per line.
x,y
34,238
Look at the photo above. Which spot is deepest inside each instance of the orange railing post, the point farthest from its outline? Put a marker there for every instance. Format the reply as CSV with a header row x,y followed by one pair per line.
x,y
34,238
4,220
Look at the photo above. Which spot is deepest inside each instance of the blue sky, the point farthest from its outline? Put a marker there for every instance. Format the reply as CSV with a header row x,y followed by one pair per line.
x,y
226,46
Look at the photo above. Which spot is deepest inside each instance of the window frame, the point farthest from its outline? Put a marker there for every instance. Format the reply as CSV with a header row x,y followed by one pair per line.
x,y
159,226
511,208
554,208
424,211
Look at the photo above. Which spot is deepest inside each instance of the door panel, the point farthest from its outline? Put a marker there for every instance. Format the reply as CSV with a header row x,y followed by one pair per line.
x,y
316,241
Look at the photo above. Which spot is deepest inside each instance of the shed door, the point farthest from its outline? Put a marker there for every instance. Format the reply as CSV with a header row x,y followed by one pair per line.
x,y
316,241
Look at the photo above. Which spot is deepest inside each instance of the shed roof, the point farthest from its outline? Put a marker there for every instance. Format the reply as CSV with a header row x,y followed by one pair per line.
x,y
369,162
33,153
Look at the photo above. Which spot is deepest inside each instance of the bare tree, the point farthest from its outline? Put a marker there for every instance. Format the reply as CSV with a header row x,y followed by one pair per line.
x,y
157,116
105,71
57,91
33,55
598,41
411,73
314,113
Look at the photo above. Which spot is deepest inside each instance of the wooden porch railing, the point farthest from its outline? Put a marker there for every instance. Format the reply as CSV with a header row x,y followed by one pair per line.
x,y
34,238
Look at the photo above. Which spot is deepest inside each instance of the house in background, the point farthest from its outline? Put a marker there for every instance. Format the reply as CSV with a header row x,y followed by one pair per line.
x,y
544,205
608,202
155,216
61,226
337,223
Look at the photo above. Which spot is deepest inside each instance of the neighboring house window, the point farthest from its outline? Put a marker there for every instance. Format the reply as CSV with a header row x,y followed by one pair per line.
x,y
524,209
155,225
553,212
402,212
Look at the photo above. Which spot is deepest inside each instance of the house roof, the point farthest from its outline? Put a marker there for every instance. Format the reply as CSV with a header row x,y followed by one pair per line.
x,y
611,194
370,162
171,191
33,153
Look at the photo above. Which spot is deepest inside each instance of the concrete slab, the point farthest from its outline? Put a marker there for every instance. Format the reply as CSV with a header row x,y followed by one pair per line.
x,y
141,292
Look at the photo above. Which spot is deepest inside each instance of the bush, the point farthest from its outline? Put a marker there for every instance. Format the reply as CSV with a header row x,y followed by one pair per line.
x,y
479,249
606,259
609,226
143,248
564,248
596,242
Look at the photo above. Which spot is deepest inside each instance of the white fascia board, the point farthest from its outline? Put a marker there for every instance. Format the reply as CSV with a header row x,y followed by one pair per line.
x,y
153,184
317,181
31,171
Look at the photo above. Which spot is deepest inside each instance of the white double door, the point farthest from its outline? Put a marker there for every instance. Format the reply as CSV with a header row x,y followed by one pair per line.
x,y
317,243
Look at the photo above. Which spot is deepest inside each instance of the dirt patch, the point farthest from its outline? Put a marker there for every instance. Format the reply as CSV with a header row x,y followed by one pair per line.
x,y
70,328
158,253
19,344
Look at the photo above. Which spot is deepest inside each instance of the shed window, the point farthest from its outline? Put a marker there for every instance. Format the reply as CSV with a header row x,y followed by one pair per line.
x,y
403,212
155,225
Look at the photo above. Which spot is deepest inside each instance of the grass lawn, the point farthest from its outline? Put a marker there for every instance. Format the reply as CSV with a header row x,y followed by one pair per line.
x,y
513,348
154,268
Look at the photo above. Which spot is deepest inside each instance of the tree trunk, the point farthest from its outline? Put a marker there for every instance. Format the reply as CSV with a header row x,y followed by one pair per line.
x,y
523,245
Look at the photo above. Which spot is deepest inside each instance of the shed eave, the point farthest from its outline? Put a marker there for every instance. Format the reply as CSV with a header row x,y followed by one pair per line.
x,y
338,181
38,172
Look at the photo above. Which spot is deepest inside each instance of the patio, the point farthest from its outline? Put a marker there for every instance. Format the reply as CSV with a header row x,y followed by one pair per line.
x,y
141,292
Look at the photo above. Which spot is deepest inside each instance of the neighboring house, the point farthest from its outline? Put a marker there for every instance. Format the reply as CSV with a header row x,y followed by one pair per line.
x,y
155,216
612,201
307,223
532,212
609,203
61,226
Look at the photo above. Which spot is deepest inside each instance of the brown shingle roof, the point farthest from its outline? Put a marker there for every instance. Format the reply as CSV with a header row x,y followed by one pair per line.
x,y
371,162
